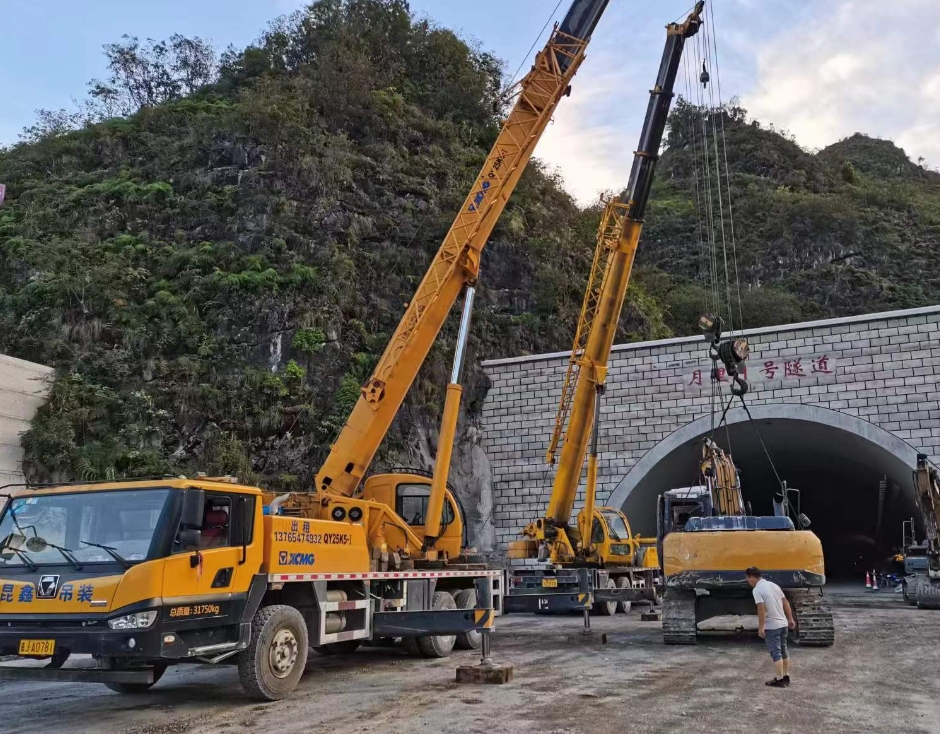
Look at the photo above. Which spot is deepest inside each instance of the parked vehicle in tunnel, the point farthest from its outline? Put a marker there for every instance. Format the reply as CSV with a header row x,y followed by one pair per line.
x,y
708,538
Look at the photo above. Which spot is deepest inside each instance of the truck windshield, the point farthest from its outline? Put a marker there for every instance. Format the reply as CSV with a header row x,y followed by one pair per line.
x,y
85,524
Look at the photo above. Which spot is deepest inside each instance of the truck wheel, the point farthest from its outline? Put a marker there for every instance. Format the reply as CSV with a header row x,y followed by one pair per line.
x,y
346,647
624,606
467,599
607,608
410,644
132,688
271,666
438,646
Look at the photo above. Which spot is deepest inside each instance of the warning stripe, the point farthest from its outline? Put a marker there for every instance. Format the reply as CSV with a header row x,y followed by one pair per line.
x,y
380,575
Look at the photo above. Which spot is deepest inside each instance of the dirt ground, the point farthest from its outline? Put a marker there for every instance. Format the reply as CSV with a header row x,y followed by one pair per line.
x,y
880,676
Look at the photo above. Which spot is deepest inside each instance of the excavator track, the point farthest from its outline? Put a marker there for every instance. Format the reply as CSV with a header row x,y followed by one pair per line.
x,y
927,594
679,626
814,627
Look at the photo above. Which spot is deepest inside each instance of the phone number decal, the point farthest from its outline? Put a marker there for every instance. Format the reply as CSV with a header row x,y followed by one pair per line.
x,y
297,536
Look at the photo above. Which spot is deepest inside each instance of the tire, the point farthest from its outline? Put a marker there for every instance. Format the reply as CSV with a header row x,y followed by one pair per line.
x,y
624,606
410,644
467,599
137,688
346,647
438,646
607,608
272,664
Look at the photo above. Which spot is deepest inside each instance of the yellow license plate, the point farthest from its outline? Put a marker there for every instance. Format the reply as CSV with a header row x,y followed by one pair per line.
x,y
37,647
550,583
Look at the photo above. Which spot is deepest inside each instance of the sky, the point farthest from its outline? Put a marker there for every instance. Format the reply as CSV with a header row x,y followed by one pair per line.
x,y
819,69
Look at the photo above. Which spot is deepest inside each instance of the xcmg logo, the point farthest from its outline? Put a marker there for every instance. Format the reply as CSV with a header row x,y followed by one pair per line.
x,y
295,559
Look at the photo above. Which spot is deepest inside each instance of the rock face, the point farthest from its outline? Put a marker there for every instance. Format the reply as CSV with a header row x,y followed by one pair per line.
x,y
471,476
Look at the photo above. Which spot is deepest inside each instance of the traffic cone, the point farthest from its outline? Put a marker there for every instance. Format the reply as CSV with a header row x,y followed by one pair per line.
x,y
867,580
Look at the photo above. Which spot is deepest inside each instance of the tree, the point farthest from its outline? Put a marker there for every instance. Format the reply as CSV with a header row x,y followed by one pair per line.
x,y
151,74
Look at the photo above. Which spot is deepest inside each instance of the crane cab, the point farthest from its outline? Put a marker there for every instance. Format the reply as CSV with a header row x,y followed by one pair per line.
x,y
408,494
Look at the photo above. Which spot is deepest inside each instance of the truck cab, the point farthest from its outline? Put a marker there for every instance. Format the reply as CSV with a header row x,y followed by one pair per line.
x,y
143,570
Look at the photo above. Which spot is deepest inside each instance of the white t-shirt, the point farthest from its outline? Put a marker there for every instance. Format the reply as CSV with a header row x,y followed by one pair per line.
x,y
771,596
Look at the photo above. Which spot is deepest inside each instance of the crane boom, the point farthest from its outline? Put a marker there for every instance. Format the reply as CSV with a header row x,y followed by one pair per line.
x,y
457,261
618,236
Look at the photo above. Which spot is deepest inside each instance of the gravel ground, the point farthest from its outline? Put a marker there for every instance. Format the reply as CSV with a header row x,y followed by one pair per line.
x,y
880,676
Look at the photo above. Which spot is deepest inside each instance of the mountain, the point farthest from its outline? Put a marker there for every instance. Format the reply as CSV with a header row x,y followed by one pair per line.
x,y
853,228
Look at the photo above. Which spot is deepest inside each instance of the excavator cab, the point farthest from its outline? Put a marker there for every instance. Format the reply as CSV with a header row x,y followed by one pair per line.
x,y
678,506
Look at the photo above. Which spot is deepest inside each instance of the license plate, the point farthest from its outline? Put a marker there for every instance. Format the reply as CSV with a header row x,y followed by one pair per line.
x,y
550,583
37,647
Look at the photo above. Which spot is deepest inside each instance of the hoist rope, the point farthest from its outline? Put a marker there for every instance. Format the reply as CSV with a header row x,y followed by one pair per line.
x,y
514,78
724,146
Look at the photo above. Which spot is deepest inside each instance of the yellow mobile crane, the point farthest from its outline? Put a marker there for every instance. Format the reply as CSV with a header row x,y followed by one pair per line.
x,y
147,574
601,539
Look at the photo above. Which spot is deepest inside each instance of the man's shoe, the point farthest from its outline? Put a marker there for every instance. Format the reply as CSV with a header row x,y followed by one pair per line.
x,y
786,680
777,683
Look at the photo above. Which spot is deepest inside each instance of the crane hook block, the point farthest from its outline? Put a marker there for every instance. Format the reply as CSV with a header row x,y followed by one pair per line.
x,y
704,77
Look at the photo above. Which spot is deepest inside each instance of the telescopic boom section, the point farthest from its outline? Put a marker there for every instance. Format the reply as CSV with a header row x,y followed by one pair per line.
x,y
618,236
457,262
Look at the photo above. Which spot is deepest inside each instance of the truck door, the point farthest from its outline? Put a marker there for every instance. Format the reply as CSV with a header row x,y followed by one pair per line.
x,y
209,576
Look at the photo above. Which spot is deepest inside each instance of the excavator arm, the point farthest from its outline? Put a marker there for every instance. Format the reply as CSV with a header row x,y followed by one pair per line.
x,y
618,236
457,262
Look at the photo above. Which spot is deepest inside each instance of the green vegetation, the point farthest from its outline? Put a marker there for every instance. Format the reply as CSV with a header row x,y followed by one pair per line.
x,y
213,254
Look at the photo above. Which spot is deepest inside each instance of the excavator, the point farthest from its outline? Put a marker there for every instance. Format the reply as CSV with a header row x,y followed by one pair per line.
x,y
599,544
708,537
147,574
923,588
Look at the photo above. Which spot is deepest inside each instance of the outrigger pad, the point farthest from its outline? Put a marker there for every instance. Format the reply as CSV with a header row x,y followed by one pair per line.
x,y
484,673
587,638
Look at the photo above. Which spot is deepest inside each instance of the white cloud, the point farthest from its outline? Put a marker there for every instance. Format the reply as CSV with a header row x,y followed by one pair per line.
x,y
590,149
855,66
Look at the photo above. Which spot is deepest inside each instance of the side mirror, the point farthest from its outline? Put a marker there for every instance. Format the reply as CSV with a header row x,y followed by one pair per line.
x,y
190,539
803,520
10,544
194,506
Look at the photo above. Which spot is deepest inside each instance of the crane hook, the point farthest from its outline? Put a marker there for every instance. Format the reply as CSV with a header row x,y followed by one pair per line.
x,y
704,77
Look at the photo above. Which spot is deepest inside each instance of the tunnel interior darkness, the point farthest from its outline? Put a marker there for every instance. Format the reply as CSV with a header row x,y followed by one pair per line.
x,y
838,472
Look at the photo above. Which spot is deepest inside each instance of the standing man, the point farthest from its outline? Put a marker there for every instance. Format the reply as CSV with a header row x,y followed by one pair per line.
x,y
775,618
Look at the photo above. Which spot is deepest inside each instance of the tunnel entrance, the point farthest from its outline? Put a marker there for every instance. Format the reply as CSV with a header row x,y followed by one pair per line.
x,y
854,478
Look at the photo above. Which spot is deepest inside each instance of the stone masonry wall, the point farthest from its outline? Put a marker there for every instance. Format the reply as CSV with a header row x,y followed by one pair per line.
x,y
24,387
883,368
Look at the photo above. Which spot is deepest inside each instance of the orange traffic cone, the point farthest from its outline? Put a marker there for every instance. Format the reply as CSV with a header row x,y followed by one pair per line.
x,y
867,580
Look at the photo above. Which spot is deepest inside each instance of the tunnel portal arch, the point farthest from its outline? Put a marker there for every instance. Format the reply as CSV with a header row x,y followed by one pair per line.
x,y
854,477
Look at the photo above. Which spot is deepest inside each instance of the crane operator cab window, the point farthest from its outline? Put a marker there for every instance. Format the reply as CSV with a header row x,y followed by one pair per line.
x,y
411,503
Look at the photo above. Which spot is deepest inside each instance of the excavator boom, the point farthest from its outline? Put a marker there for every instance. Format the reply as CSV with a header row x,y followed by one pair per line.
x,y
457,262
618,237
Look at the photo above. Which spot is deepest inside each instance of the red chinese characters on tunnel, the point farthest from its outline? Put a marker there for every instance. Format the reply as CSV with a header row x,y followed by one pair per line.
x,y
786,369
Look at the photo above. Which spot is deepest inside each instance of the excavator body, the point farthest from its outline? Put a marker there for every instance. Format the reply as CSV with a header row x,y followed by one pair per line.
x,y
705,552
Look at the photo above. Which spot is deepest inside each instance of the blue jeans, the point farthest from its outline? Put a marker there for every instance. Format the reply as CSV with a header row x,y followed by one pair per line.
x,y
777,643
